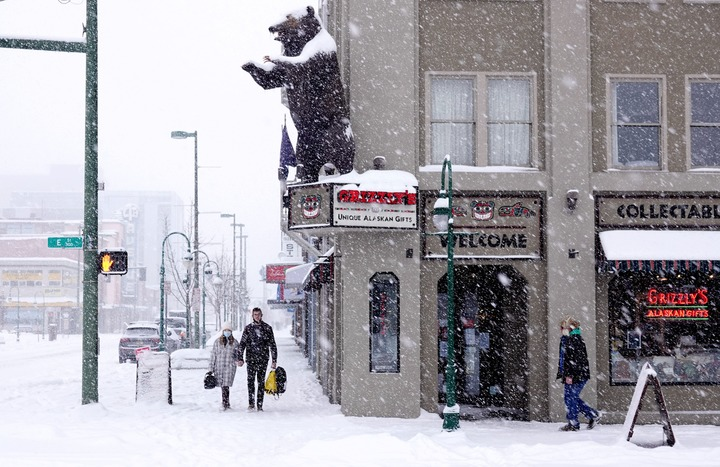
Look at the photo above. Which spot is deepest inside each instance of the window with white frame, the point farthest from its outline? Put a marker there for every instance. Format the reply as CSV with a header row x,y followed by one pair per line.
x,y
481,119
636,123
704,123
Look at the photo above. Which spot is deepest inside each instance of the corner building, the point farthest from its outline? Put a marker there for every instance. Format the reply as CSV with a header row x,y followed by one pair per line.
x,y
585,143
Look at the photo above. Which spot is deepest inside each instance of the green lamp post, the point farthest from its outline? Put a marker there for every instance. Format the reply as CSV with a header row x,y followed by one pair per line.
x,y
443,220
187,261
200,339
207,272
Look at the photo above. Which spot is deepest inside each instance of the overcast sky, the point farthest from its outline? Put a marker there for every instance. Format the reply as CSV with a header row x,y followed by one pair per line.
x,y
164,65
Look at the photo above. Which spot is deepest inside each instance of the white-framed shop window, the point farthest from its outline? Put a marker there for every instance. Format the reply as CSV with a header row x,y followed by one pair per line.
x,y
636,122
481,119
703,121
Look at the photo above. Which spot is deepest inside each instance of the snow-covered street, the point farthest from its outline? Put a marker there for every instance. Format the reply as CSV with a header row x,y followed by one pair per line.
x,y
43,423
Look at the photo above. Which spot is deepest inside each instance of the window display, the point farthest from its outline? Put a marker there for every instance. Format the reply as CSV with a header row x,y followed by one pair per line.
x,y
384,323
668,319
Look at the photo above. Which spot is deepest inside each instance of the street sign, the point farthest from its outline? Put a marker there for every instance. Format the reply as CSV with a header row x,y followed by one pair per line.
x,y
65,242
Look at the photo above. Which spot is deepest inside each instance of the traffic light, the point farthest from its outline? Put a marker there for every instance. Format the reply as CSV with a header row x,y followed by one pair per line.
x,y
113,262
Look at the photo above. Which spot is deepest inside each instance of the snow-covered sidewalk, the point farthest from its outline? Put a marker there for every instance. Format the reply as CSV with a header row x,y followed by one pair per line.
x,y
43,423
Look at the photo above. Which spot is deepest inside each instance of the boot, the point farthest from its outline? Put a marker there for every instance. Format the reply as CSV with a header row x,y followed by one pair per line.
x,y
226,397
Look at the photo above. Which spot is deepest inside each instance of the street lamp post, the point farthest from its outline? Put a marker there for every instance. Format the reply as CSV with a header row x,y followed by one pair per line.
x,y
204,293
17,304
197,324
186,260
443,220
196,244
42,313
234,269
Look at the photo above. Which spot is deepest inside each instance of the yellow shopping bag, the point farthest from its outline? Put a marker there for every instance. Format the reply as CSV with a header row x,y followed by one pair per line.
x,y
271,384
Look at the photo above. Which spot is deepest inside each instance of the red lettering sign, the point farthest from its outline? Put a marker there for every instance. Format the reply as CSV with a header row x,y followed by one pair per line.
x,y
699,297
380,197
678,305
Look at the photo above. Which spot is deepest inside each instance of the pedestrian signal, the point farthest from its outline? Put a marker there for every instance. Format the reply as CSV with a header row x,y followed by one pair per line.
x,y
113,262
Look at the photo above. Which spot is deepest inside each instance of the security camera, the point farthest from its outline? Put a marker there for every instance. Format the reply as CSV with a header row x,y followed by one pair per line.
x,y
571,199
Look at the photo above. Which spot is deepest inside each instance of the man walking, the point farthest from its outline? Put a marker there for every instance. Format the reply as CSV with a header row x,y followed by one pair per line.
x,y
259,340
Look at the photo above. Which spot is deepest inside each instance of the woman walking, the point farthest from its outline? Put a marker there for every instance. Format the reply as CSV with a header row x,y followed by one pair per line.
x,y
224,360
574,371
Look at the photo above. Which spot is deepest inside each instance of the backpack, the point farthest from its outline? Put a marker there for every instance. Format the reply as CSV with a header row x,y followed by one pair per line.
x,y
280,379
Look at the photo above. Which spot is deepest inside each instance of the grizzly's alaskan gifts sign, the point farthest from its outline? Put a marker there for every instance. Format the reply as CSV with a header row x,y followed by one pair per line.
x,y
385,199
488,226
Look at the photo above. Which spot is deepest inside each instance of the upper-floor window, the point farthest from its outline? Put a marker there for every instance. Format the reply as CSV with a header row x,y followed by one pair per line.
x,y
636,118
481,119
704,122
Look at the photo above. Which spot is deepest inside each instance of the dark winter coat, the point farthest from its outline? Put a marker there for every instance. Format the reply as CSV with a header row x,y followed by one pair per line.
x,y
573,360
259,340
223,360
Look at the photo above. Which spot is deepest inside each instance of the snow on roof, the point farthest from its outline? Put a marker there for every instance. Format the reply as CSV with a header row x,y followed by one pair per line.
x,y
472,168
385,180
660,245
297,275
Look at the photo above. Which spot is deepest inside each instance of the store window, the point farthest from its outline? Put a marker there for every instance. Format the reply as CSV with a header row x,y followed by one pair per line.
x,y
667,319
481,119
636,123
704,123
384,323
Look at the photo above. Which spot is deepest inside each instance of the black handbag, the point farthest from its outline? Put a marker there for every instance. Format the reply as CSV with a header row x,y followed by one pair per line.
x,y
210,380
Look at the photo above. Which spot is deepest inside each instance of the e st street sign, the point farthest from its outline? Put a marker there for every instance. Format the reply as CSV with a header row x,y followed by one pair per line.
x,y
65,242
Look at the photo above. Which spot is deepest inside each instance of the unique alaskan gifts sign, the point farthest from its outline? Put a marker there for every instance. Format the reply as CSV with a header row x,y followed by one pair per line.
x,y
488,226
356,207
385,199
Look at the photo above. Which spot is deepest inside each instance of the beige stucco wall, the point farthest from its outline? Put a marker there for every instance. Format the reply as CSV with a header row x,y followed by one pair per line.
x,y
363,254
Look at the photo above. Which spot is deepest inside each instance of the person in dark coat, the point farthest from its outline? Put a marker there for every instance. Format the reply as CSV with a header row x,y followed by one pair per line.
x,y
259,341
224,360
574,370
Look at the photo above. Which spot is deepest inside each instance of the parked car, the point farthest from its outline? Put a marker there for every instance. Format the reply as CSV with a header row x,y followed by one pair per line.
x,y
175,339
135,336
178,326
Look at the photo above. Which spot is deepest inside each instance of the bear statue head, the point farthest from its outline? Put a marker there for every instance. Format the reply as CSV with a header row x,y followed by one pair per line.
x,y
296,31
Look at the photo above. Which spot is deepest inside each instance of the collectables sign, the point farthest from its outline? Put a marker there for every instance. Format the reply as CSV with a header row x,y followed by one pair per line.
x,y
489,226
645,211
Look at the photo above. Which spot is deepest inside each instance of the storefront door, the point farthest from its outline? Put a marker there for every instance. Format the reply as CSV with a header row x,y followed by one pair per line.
x,y
490,338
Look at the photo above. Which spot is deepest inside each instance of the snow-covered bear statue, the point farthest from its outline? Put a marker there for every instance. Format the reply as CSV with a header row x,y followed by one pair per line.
x,y
309,71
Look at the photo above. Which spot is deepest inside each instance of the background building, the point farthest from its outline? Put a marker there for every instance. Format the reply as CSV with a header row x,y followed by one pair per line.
x,y
37,207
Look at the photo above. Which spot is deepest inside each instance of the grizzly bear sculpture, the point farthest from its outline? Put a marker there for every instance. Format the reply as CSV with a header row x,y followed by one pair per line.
x,y
308,70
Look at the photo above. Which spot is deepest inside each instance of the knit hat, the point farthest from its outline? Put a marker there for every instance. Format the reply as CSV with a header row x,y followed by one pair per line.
x,y
227,325
572,323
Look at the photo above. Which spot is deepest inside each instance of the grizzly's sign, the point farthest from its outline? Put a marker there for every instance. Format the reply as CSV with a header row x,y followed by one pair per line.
x,y
354,207
384,199
488,226
677,305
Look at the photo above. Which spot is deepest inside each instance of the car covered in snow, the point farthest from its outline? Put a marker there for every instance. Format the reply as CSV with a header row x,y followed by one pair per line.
x,y
139,335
